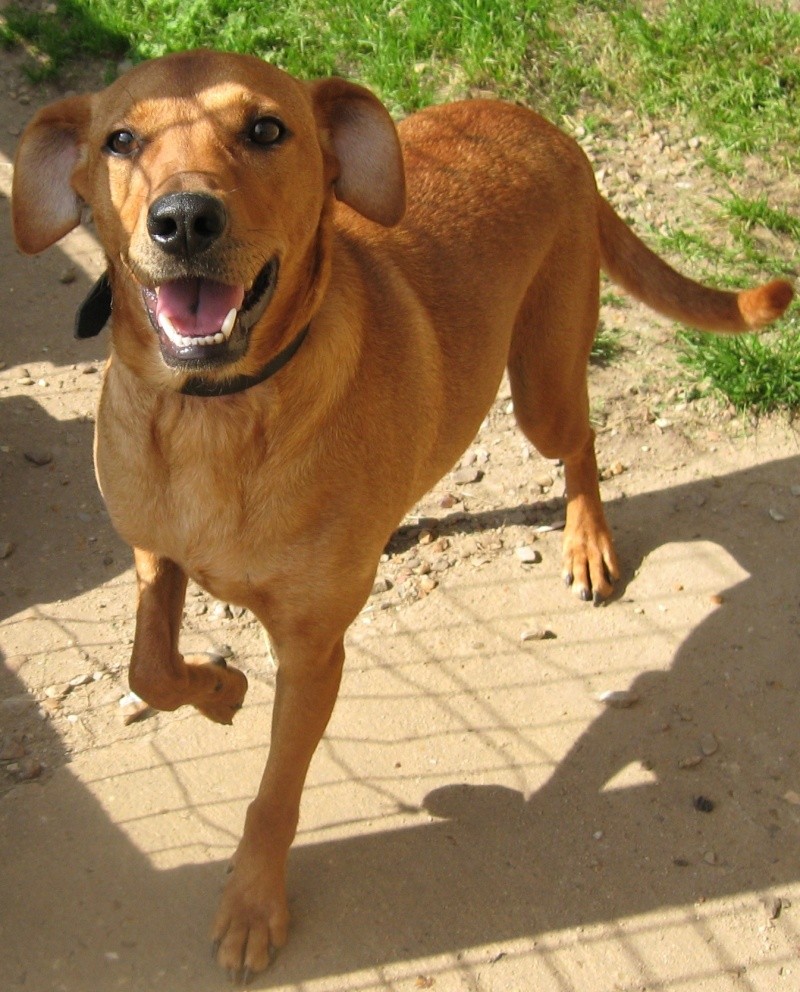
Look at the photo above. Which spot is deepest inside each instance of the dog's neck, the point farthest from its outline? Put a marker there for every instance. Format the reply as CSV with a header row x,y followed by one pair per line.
x,y
200,386
93,315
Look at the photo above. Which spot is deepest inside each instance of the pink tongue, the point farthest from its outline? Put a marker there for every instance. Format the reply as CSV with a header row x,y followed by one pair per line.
x,y
197,307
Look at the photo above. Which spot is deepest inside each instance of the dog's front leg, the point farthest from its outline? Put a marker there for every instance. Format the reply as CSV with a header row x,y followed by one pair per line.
x,y
253,914
159,674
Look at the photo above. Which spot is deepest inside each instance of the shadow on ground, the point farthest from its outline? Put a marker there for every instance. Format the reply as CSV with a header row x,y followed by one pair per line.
x,y
492,864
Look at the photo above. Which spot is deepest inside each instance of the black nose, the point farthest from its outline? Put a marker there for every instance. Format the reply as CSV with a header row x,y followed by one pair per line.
x,y
186,223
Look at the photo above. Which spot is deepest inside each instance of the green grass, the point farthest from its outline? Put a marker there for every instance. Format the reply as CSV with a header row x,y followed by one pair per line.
x,y
410,51
729,266
607,345
754,213
733,65
730,69
757,374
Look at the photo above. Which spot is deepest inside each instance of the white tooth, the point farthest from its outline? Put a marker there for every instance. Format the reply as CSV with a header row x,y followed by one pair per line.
x,y
188,342
230,320
169,329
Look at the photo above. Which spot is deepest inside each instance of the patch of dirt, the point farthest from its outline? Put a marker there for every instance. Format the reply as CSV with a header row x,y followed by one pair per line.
x,y
476,818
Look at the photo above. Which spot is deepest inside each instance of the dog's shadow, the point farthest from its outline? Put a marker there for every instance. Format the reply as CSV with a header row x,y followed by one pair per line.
x,y
488,865
56,537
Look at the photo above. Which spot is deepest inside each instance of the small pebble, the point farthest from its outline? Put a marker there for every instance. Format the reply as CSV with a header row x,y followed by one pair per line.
x,y
129,698
527,555
620,699
381,586
773,906
464,476
38,457
703,804
537,634
691,762
28,769
777,516
80,680
57,691
6,548
68,275
223,611
427,584
709,745
132,712
711,858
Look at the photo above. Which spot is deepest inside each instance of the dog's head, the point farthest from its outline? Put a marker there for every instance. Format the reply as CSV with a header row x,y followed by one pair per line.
x,y
211,179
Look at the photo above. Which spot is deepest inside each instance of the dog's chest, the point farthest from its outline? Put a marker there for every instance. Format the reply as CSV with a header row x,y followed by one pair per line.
x,y
198,493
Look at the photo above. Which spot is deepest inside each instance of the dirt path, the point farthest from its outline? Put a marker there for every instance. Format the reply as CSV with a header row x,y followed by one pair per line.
x,y
476,818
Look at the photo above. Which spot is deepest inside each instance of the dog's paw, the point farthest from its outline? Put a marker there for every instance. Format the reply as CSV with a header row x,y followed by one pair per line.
x,y
224,688
252,921
590,565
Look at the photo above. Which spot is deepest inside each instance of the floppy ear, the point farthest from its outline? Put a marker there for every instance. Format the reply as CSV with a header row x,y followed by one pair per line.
x,y
44,206
364,140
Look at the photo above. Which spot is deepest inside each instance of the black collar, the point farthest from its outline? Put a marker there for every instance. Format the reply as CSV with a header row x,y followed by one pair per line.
x,y
198,386
95,310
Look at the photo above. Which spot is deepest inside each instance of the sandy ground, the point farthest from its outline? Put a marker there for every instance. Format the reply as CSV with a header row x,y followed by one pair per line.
x,y
475,818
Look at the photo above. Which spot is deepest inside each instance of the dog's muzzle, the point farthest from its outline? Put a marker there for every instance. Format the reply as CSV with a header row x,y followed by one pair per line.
x,y
201,321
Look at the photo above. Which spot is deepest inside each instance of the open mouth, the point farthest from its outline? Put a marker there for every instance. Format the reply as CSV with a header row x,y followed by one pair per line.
x,y
201,322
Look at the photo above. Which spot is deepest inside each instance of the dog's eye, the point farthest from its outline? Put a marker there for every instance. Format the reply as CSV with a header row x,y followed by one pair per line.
x,y
122,142
266,131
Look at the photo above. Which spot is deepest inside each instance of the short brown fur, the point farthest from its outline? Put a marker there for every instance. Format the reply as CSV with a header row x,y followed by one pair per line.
x,y
419,292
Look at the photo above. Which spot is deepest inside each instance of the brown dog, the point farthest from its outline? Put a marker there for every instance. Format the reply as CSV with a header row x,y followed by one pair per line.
x,y
302,346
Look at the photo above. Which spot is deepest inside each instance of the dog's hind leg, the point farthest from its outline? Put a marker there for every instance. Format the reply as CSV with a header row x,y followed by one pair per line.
x,y
547,369
159,674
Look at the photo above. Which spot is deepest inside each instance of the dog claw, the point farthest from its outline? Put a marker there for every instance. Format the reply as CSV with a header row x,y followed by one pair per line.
x,y
585,594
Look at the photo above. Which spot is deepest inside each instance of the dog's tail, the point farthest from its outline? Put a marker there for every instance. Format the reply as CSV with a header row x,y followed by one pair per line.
x,y
639,271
